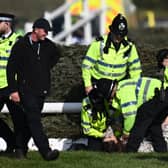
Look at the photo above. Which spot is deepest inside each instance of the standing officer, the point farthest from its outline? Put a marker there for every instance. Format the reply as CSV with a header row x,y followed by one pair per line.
x,y
112,56
7,40
31,59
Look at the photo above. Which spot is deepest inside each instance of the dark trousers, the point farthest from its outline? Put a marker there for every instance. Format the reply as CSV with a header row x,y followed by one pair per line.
x,y
95,144
16,114
32,106
148,122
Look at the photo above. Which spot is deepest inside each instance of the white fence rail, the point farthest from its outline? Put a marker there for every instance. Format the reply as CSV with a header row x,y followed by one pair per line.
x,y
85,21
53,107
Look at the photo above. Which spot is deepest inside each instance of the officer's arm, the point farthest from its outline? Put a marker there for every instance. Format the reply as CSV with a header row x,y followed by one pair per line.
x,y
135,69
88,63
86,124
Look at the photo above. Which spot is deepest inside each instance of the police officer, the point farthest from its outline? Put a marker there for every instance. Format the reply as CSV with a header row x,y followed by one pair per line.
x,y
162,61
95,114
143,111
111,56
7,39
31,59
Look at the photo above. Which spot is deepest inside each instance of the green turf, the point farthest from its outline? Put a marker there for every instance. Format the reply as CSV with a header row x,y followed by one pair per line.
x,y
83,159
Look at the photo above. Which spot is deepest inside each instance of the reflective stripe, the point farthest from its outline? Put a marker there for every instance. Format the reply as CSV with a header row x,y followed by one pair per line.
x,y
134,61
4,58
135,69
111,65
128,83
138,86
86,66
146,90
86,129
109,74
130,113
90,59
128,104
2,67
8,51
85,123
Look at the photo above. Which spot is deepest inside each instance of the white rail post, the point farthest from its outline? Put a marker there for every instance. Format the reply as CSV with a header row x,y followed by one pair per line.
x,y
68,23
87,27
102,21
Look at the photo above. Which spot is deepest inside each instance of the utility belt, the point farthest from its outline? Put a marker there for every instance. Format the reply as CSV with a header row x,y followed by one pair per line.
x,y
94,80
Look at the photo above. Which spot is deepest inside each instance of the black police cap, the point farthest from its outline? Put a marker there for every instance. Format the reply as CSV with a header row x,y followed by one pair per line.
x,y
42,23
106,86
96,99
119,25
6,17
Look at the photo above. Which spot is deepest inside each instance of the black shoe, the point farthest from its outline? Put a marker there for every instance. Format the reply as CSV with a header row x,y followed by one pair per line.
x,y
51,155
20,154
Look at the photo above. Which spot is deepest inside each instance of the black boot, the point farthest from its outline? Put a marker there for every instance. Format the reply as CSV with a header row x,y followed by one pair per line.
x,y
20,154
51,155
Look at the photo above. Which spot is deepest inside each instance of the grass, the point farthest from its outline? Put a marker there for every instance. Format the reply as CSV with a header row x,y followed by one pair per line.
x,y
84,159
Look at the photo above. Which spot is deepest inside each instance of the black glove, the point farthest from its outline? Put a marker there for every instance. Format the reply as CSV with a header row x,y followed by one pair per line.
x,y
160,94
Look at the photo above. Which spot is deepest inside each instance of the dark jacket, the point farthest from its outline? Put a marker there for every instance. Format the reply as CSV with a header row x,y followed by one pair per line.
x,y
31,69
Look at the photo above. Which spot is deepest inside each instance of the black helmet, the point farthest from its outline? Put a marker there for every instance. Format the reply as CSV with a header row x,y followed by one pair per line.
x,y
119,26
161,55
42,23
106,87
96,99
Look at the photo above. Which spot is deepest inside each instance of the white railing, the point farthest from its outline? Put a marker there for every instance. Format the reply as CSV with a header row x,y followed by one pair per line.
x,y
57,107
86,17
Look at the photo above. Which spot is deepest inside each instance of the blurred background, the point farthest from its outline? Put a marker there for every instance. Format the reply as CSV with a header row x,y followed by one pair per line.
x,y
79,21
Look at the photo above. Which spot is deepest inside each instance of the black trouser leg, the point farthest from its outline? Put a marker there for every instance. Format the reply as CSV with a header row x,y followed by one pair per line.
x,y
146,116
95,144
20,128
158,141
33,106
5,132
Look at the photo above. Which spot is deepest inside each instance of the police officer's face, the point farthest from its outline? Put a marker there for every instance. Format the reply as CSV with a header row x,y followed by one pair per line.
x,y
3,27
41,34
117,38
165,62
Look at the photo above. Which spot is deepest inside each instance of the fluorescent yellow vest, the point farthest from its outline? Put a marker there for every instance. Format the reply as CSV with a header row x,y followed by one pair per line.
x,y
5,50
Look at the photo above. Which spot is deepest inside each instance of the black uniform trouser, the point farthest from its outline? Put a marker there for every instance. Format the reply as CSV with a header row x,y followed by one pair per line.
x,y
16,114
148,122
32,106
95,144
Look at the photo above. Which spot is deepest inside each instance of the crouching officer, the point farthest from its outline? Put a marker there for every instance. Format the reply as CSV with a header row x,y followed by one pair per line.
x,y
95,115
143,111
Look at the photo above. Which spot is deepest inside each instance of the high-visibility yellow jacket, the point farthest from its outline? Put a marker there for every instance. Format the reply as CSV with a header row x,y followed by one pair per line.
x,y
130,95
166,75
113,65
91,127
5,50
